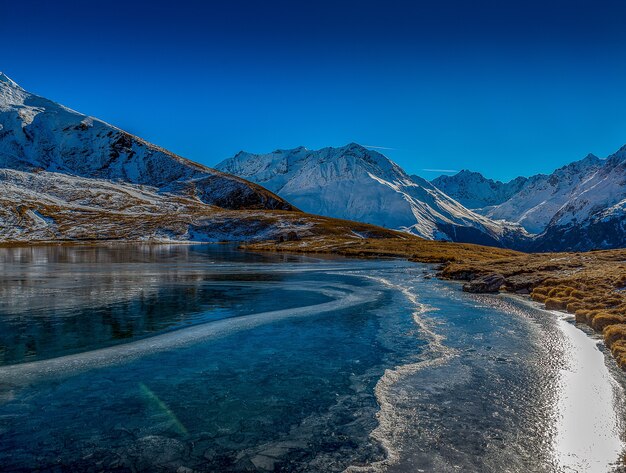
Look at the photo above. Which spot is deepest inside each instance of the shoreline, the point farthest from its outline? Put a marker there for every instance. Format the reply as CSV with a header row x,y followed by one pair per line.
x,y
602,397
592,398
591,286
572,287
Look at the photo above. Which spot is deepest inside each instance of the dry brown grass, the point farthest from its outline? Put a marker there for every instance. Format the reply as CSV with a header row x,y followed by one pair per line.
x,y
390,244
589,285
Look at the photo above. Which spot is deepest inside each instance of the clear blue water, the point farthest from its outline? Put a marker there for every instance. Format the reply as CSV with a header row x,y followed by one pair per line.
x,y
163,358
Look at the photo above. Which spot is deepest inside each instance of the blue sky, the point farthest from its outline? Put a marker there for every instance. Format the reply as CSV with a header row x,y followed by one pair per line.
x,y
502,87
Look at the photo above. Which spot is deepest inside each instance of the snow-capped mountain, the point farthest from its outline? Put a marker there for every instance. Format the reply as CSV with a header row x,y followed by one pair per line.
x,y
579,206
594,216
67,176
38,134
542,196
353,182
532,202
475,191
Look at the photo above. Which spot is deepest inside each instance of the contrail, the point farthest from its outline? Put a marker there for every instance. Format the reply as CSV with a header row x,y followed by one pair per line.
x,y
379,147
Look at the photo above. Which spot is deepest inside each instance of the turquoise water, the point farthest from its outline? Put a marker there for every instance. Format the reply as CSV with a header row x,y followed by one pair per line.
x,y
167,358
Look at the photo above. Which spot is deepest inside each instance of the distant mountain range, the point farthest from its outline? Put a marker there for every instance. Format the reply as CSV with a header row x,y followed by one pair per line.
x,y
474,191
578,207
68,176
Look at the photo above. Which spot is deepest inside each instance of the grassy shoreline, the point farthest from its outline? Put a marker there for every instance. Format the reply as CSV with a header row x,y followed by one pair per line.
x,y
590,285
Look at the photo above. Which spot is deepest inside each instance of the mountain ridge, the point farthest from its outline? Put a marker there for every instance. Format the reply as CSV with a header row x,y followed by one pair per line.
x,y
474,191
360,184
39,134
579,206
66,176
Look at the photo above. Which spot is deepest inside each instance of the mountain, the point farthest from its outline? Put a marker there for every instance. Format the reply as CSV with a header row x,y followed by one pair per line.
x,y
45,206
580,206
594,215
38,134
356,183
67,176
475,191
542,196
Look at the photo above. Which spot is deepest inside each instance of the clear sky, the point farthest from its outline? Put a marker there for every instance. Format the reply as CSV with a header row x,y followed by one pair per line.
x,y
503,87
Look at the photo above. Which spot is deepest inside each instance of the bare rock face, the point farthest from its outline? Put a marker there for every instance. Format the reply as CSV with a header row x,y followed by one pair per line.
x,y
485,284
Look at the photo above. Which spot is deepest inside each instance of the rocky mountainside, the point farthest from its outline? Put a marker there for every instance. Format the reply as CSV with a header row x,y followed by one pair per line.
x,y
46,206
356,183
594,215
475,191
38,134
542,196
579,206
66,176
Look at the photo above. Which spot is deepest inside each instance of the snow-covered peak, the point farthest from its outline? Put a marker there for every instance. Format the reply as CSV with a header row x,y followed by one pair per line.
x,y
542,196
276,169
38,134
475,191
357,183
578,206
618,157
466,173
582,165
8,81
11,94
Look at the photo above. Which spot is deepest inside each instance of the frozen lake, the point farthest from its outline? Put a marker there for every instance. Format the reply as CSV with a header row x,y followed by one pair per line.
x,y
161,358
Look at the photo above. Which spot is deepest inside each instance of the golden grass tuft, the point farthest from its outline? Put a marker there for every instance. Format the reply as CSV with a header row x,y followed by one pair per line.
x,y
618,350
552,303
604,319
538,297
615,334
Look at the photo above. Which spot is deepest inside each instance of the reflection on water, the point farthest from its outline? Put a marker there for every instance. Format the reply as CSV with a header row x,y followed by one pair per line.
x,y
60,300
382,369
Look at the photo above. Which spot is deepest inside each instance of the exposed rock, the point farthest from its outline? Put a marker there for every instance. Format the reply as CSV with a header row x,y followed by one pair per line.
x,y
487,283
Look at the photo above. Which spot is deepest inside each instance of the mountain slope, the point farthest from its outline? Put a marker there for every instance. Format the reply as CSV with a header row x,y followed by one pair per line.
x,y
38,134
65,176
355,183
542,196
44,206
580,206
594,216
474,191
